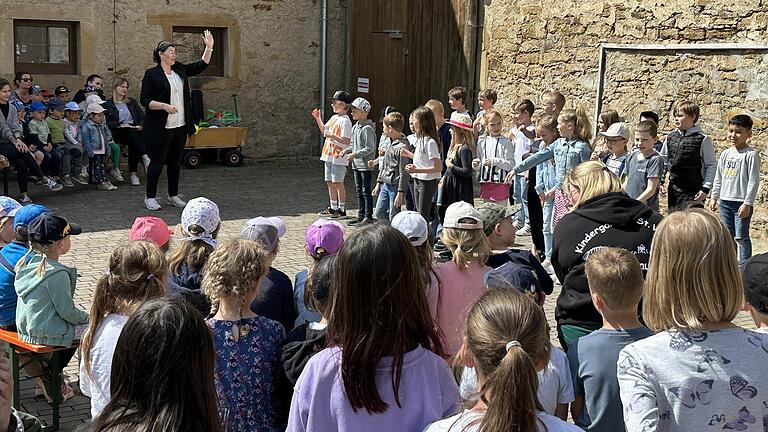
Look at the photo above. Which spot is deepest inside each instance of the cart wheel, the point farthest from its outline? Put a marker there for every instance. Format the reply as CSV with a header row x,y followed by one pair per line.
x,y
192,159
233,158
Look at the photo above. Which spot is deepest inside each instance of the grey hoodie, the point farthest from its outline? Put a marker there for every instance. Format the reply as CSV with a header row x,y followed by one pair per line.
x,y
363,144
392,169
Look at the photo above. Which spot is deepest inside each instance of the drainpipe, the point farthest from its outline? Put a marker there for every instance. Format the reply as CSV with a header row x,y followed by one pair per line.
x,y
323,59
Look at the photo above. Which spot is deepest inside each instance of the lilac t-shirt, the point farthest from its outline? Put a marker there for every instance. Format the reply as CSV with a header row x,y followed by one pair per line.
x,y
428,393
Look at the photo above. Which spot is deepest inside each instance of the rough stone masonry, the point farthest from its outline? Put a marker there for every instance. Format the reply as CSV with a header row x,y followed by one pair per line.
x,y
532,46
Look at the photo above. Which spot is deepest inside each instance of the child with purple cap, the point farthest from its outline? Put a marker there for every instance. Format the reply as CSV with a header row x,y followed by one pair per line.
x,y
324,237
275,300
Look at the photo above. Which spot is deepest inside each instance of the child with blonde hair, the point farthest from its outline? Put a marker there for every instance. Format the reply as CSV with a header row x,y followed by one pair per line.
x,y
495,157
505,339
461,279
247,345
700,370
137,272
571,149
45,312
457,182
546,177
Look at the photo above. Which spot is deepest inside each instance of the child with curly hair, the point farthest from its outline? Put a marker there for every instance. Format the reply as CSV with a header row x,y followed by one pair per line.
x,y
247,345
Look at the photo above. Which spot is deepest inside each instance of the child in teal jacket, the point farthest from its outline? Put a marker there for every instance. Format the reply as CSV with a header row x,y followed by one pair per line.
x,y
45,312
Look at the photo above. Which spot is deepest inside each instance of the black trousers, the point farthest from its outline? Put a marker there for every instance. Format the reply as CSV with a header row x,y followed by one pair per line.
x,y
535,213
678,199
166,149
25,164
135,142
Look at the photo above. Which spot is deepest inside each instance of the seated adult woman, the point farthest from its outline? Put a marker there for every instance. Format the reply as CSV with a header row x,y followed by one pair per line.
x,y
13,148
602,216
125,118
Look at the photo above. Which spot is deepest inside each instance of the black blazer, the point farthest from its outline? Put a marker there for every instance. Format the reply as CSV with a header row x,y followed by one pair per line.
x,y
113,115
155,87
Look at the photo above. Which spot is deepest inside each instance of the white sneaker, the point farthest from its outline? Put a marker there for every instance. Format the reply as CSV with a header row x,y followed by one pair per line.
x,y
117,175
151,204
176,201
547,264
135,180
524,231
516,224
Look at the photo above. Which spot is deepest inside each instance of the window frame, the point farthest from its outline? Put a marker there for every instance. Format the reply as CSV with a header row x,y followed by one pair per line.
x,y
216,68
70,68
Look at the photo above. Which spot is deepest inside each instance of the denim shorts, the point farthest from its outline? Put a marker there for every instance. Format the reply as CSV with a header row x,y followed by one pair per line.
x,y
335,173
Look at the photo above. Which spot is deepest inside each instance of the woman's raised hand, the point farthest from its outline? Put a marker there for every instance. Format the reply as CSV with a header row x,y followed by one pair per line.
x,y
208,39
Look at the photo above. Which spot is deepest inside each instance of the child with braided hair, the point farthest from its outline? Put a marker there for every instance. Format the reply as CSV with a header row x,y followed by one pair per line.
x,y
137,274
247,345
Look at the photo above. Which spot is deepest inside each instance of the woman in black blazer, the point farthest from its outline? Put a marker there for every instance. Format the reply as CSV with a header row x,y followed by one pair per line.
x,y
168,120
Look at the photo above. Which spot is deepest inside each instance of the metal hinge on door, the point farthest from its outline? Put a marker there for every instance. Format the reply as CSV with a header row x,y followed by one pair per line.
x,y
392,34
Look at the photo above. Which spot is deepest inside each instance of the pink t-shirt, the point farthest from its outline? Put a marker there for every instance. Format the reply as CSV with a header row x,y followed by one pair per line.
x,y
460,289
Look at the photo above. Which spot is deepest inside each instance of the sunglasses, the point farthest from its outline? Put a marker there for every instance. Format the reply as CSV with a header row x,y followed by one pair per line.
x,y
27,79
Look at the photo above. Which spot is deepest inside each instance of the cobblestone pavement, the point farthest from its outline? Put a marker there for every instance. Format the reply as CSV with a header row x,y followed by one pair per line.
x,y
291,190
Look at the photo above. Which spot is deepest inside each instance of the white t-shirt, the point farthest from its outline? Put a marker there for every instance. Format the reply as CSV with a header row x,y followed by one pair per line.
x,y
96,385
695,381
425,153
177,100
523,144
555,382
462,422
333,151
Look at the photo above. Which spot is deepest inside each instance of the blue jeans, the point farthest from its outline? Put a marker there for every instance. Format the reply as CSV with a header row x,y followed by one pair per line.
x,y
521,197
738,227
385,204
549,205
364,197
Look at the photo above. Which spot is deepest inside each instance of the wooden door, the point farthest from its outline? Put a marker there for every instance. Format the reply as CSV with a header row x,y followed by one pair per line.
x,y
410,50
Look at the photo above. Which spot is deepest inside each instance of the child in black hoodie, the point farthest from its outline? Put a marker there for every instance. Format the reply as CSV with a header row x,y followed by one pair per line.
x,y
602,216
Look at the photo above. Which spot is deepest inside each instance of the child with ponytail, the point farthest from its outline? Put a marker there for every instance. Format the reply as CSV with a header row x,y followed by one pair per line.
x,y
247,345
571,149
45,312
505,338
426,166
461,280
137,271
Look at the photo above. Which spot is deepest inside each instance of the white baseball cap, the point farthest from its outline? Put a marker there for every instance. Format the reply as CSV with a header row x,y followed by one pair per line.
x,y
265,230
361,104
93,99
462,215
413,225
617,130
95,108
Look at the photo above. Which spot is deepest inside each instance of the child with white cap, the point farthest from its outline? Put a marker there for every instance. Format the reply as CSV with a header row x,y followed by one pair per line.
x,y
200,223
8,209
115,149
616,139
462,278
96,140
362,151
275,300
413,225
72,161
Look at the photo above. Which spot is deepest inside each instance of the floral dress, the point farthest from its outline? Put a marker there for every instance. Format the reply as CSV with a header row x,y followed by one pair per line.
x,y
246,373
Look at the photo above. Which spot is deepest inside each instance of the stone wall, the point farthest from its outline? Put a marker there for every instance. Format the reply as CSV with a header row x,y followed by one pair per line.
x,y
272,56
530,47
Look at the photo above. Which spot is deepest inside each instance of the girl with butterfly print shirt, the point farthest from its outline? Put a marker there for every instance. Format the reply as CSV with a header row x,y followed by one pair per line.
x,y
246,371
700,372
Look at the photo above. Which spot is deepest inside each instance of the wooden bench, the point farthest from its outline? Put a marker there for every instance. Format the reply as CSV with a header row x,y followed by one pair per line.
x,y
46,354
